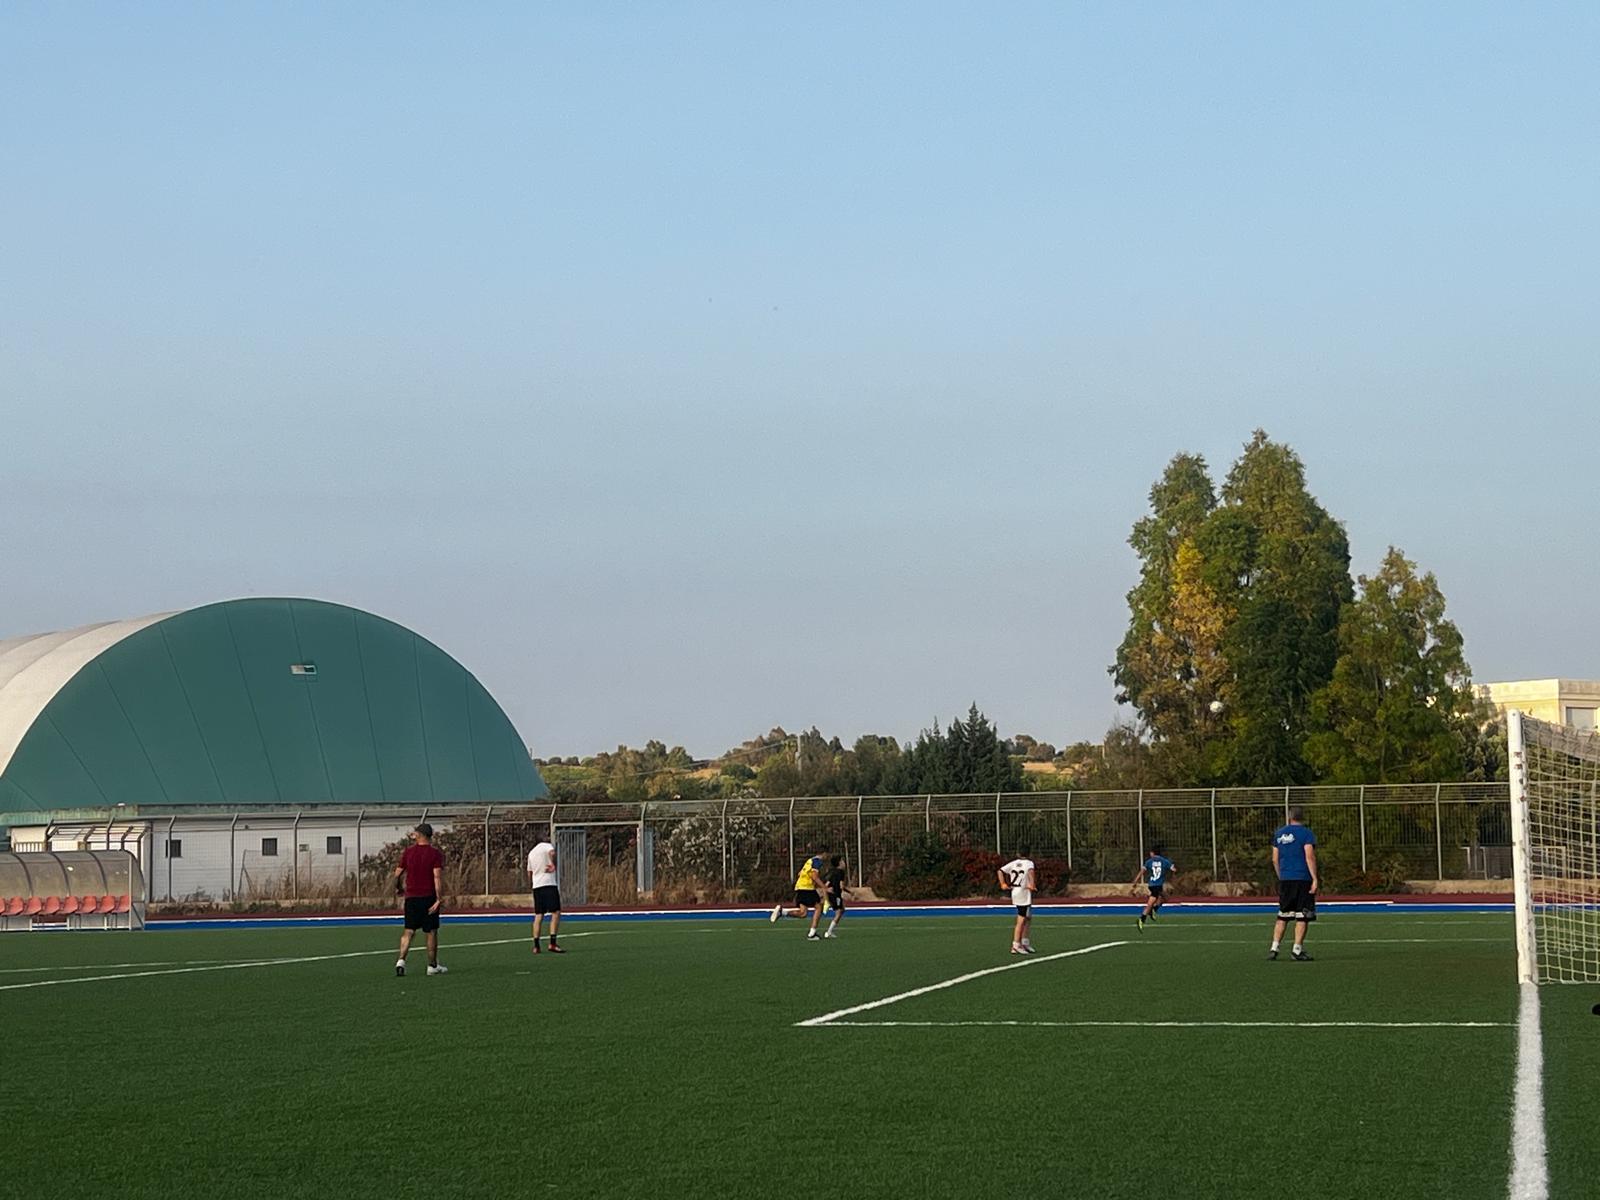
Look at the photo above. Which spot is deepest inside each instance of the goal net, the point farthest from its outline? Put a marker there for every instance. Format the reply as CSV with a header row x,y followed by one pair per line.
x,y
1555,824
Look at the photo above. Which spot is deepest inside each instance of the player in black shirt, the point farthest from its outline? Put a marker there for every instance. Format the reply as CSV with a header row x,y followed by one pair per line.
x,y
836,894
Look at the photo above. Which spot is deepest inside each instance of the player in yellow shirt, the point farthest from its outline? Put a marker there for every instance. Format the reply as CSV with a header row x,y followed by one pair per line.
x,y
807,896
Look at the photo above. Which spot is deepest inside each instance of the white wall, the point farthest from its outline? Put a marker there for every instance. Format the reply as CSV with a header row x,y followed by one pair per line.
x,y
219,860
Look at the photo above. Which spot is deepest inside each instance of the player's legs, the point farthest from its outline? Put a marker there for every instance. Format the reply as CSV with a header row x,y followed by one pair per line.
x,y
405,943
555,924
1300,935
816,914
838,913
1017,928
1027,931
433,947
1277,935
538,927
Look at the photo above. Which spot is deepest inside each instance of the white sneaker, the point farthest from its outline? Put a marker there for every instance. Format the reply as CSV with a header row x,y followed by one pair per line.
x,y
830,934
812,936
439,969
1016,949
777,911
1027,947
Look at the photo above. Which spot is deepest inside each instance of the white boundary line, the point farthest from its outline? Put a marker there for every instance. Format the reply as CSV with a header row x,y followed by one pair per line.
x,y
1030,961
1168,1024
257,962
1530,1179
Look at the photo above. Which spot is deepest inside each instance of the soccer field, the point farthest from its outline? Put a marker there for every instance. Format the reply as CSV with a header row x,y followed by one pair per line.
x,y
675,1058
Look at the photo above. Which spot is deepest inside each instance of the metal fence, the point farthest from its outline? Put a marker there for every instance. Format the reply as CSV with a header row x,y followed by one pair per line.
x,y
1369,838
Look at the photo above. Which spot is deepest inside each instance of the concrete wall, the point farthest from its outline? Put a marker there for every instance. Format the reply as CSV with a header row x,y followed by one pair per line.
x,y
1561,701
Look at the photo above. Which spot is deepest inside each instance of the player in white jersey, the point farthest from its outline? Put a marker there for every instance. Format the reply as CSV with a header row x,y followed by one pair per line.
x,y
1019,875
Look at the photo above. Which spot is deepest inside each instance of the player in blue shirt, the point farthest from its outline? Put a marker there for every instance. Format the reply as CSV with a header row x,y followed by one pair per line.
x,y
1157,870
1294,858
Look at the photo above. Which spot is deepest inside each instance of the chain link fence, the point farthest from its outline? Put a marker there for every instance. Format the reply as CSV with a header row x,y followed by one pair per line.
x,y
1370,839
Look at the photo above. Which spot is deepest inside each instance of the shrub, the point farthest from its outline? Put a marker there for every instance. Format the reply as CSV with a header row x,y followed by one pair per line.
x,y
1191,883
925,870
978,868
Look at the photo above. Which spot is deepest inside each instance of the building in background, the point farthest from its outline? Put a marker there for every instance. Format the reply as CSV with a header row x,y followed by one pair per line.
x,y
1572,702
290,736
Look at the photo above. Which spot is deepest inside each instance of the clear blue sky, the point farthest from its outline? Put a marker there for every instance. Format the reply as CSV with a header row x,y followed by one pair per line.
x,y
691,369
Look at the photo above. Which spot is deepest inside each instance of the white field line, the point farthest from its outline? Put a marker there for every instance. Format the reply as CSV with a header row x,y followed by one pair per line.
x,y
1166,1024
1030,961
244,964
1530,1178
1325,941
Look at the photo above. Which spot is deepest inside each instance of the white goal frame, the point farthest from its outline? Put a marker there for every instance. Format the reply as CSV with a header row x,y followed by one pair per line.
x,y
1555,851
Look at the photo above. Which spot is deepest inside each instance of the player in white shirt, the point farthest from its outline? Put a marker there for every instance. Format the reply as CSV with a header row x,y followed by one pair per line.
x,y
1019,875
546,894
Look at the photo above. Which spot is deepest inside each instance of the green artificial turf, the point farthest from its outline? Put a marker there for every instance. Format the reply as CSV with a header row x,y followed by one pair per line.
x,y
662,1058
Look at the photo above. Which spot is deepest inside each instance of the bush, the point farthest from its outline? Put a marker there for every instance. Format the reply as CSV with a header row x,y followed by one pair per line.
x,y
925,870
978,869
1191,883
1388,878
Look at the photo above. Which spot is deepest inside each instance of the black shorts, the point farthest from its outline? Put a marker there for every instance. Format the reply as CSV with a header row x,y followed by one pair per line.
x,y
806,898
418,916
1295,901
1024,909
1158,890
837,900
547,899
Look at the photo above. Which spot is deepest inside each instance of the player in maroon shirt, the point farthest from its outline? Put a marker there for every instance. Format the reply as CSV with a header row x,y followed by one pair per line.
x,y
421,876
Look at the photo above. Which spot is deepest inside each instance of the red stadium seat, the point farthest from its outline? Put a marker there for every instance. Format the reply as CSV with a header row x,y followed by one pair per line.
x,y
69,905
124,903
13,907
108,904
52,906
33,907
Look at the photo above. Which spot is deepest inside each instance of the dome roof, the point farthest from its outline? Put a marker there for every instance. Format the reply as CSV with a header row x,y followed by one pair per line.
x,y
249,704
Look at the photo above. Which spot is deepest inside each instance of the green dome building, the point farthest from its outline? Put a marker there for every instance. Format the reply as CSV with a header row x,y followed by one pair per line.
x,y
256,706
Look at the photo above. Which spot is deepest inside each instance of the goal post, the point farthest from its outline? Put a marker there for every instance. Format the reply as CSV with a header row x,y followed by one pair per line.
x,y
1555,849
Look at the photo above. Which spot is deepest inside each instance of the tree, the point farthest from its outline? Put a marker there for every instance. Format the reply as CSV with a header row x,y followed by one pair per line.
x,y
1283,564
1399,708
969,757
1155,669
1238,601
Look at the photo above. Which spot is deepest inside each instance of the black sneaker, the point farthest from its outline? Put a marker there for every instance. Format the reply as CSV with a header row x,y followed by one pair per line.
x,y
1301,957
1272,956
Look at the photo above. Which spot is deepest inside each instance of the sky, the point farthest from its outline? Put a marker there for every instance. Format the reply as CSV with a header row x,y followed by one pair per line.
x,y
688,370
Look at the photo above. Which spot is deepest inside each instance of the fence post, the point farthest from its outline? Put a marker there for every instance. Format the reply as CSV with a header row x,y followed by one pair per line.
x,y
1213,833
359,817
724,843
638,864
861,861
791,837
1069,834
1286,804
232,825
1438,827
486,813
927,814
1361,820
171,822
294,863
997,848
1141,826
